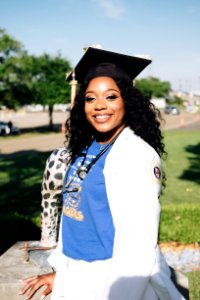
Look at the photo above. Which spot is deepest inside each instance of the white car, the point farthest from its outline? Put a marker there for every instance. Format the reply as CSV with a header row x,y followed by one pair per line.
x,y
172,110
7,129
4,128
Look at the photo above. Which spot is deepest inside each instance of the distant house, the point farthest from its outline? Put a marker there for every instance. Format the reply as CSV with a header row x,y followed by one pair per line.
x,y
159,102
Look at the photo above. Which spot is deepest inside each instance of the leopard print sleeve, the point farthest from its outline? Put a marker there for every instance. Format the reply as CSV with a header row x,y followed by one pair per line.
x,y
51,190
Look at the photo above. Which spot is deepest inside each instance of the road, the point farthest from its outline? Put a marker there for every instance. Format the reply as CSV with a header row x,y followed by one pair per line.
x,y
48,142
44,142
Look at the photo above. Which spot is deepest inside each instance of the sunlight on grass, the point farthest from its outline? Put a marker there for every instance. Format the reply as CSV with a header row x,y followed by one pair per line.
x,y
182,167
180,223
180,201
194,287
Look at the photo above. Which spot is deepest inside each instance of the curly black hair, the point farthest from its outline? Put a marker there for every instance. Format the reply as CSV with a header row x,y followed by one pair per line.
x,y
140,115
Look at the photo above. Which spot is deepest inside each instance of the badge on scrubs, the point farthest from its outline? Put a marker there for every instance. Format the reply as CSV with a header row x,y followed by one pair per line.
x,y
156,171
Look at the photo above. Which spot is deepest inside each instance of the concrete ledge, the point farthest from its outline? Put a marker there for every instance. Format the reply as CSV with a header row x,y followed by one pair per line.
x,y
15,265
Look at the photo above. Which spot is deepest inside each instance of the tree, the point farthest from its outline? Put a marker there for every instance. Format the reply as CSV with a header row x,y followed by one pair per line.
x,y
13,81
8,46
16,77
26,79
153,87
49,83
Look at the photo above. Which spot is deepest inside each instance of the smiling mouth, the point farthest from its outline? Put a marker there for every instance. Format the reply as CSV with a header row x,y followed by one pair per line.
x,y
102,118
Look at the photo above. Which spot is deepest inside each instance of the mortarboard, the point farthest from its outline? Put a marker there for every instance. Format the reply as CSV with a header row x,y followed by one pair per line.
x,y
133,65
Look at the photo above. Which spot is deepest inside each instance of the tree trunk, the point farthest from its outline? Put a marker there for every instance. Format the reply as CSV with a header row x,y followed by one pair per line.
x,y
51,117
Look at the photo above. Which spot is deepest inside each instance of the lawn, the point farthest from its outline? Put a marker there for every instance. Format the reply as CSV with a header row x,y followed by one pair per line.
x,y
182,167
20,197
20,182
194,280
180,200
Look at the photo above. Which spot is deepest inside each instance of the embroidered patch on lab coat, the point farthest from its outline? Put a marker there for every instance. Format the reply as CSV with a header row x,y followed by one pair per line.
x,y
156,171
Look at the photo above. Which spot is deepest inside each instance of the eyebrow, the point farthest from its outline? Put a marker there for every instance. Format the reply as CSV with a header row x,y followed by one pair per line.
x,y
109,90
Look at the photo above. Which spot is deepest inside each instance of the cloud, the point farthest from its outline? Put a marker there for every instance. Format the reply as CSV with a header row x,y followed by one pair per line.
x,y
112,8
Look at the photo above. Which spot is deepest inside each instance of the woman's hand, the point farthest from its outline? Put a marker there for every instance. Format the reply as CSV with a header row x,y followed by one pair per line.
x,y
32,284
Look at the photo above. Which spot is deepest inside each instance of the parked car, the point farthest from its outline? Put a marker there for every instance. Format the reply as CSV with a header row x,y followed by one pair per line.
x,y
172,110
4,128
8,128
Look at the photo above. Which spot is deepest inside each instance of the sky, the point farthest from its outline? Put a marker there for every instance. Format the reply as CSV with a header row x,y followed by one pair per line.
x,y
166,30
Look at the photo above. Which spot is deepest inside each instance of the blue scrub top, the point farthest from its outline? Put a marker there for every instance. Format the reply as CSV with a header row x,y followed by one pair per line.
x,y
87,224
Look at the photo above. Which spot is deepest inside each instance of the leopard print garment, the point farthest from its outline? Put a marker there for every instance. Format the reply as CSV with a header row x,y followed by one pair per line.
x,y
52,184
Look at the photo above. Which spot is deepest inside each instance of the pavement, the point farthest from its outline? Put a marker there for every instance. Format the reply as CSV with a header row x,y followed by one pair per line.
x,y
43,143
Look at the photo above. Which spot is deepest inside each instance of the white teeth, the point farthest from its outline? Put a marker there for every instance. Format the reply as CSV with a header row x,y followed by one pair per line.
x,y
101,117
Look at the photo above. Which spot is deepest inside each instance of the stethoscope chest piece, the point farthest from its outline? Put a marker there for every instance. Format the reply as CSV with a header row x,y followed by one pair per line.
x,y
82,172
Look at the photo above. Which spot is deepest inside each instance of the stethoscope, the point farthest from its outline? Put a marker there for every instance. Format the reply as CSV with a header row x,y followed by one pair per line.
x,y
82,171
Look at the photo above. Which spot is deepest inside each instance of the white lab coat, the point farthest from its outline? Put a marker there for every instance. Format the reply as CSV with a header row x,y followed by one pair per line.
x,y
137,270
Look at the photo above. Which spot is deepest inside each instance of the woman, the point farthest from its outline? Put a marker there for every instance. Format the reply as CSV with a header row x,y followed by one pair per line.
x,y
107,246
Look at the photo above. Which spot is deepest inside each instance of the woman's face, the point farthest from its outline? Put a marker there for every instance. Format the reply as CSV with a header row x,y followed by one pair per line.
x,y
104,108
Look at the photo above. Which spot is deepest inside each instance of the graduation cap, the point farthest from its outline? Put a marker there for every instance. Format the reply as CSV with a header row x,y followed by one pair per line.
x,y
131,65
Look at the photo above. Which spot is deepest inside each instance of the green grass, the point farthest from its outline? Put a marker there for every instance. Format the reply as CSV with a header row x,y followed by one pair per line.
x,y
182,167
194,288
180,223
180,200
20,197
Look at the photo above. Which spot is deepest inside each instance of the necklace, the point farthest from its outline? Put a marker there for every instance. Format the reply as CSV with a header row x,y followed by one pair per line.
x,y
102,146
